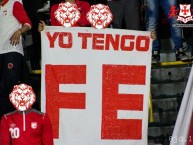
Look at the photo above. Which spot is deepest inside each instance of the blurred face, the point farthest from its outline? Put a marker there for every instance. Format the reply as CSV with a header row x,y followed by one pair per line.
x,y
22,97
67,14
99,16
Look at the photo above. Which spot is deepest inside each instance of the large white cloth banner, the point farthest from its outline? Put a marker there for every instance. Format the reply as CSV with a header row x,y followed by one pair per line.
x,y
95,85
180,134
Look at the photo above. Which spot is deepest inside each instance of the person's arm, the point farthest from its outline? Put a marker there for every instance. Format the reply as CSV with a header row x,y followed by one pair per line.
x,y
47,133
85,8
21,15
4,132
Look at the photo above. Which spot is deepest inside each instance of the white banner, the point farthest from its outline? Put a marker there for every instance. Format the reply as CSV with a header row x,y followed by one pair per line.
x,y
95,85
180,134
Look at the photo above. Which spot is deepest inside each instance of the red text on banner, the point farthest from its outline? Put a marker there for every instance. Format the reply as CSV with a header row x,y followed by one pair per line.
x,y
100,41
63,74
113,75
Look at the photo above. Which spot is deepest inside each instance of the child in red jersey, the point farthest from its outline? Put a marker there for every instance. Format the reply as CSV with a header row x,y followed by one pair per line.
x,y
25,125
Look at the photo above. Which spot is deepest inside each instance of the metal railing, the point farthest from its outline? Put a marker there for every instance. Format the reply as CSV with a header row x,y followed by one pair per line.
x,y
161,64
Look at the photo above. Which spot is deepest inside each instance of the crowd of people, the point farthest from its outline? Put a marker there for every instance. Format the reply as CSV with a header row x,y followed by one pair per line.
x,y
20,16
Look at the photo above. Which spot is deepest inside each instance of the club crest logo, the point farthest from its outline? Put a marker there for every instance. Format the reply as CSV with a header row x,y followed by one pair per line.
x,y
67,14
184,13
10,65
34,125
99,16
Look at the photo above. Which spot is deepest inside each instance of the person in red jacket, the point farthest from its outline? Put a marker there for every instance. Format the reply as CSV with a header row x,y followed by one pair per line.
x,y
83,7
25,125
